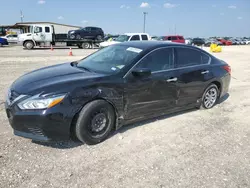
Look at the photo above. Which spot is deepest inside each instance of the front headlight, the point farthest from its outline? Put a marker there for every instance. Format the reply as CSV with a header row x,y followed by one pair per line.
x,y
40,102
72,32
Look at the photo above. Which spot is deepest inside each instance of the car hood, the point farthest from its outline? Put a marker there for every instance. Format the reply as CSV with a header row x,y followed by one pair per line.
x,y
108,43
52,78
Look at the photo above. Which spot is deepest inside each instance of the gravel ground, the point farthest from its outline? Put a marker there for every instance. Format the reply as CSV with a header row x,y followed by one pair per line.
x,y
199,148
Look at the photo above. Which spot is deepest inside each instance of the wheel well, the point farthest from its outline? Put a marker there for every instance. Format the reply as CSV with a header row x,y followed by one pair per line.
x,y
27,41
218,84
73,122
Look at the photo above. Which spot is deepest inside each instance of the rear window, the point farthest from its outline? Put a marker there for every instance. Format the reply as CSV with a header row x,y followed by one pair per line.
x,y
47,30
135,37
144,37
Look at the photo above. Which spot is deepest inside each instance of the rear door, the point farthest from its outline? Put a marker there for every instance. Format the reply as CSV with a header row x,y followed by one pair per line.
x,y
194,73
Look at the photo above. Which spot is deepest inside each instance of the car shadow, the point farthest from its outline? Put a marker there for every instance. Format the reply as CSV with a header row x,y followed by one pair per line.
x,y
223,99
126,127
68,144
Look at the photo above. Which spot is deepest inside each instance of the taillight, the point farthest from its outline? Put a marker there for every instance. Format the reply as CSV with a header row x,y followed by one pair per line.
x,y
227,68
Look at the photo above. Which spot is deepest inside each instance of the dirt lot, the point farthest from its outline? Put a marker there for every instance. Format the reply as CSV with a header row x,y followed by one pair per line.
x,y
200,148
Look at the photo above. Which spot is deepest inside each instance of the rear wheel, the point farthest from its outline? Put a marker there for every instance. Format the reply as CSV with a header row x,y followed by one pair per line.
x,y
29,45
95,122
210,96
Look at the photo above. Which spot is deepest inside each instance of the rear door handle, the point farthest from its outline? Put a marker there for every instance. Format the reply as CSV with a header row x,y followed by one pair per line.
x,y
205,72
172,79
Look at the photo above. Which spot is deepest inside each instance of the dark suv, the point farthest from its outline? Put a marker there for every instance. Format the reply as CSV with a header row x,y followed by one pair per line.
x,y
198,41
86,33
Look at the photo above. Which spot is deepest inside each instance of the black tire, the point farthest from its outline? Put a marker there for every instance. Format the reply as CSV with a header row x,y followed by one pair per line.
x,y
89,113
29,45
99,37
72,36
85,45
78,37
1,45
209,90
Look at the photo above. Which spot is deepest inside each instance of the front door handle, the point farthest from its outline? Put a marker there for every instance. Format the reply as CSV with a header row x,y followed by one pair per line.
x,y
205,72
172,79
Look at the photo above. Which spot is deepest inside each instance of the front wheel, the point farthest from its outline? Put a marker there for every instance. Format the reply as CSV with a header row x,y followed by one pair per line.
x,y
210,96
95,122
29,45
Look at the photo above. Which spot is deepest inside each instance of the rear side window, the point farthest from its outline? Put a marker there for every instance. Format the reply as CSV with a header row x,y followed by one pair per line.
x,y
135,37
186,57
181,38
144,37
174,38
47,29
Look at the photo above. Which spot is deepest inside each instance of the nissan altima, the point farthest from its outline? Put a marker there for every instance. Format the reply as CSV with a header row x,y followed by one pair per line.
x,y
117,85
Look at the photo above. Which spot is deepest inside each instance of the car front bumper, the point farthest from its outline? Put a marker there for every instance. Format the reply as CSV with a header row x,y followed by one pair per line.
x,y
39,125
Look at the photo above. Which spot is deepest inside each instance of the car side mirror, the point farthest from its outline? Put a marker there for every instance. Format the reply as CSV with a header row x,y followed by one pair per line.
x,y
142,72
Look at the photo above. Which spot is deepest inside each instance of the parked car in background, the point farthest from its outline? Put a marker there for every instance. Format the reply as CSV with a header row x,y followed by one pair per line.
x,y
3,41
198,41
86,33
247,41
208,42
174,38
225,42
188,40
124,83
11,38
126,37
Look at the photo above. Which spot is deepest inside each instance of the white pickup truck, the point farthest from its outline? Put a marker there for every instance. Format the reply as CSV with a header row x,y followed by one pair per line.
x,y
44,35
127,37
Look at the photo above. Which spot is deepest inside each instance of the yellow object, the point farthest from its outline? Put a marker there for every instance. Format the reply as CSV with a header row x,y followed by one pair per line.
x,y
110,39
215,48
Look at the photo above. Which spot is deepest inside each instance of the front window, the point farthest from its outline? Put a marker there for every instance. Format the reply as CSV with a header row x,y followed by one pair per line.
x,y
122,38
109,60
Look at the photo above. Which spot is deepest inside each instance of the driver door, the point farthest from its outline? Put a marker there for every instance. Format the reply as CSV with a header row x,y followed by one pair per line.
x,y
39,34
155,94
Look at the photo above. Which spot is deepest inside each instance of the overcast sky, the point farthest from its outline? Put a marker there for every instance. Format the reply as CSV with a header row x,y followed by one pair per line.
x,y
190,17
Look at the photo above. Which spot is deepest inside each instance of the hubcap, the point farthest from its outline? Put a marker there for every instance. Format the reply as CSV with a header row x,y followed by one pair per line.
x,y
29,45
98,122
210,97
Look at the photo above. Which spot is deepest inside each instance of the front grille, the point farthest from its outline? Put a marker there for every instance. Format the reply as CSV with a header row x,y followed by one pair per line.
x,y
36,131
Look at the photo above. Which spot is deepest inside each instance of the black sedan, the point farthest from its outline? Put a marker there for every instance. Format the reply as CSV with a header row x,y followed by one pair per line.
x,y
120,84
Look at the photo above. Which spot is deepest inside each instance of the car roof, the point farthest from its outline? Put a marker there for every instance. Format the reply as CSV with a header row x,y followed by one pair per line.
x,y
129,34
149,45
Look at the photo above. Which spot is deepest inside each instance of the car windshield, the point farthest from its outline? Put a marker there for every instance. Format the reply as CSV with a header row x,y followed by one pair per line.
x,y
109,60
122,38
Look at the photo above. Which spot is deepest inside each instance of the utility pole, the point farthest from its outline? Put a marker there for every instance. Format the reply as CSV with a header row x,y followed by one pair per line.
x,y
21,15
144,23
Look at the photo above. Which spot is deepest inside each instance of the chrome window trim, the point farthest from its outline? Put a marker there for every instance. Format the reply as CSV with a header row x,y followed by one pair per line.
x,y
174,47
